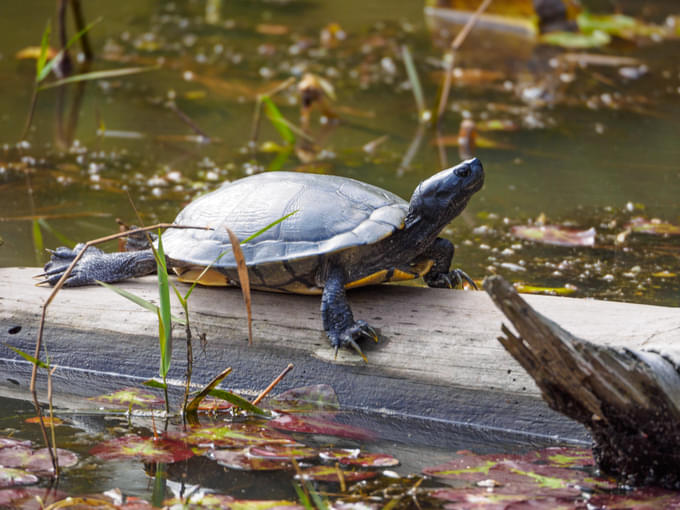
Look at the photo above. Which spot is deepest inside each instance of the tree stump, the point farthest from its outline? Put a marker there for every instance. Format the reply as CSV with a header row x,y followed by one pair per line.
x,y
628,399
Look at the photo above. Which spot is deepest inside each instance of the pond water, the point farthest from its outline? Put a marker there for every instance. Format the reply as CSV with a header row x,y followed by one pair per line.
x,y
580,147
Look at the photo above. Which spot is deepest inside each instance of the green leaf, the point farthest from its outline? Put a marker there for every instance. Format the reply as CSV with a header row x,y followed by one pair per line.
x,y
99,75
154,383
164,315
45,71
138,300
237,401
28,357
44,46
577,41
273,224
277,120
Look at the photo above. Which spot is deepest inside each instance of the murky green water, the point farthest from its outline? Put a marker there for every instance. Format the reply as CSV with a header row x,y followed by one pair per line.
x,y
601,150
597,150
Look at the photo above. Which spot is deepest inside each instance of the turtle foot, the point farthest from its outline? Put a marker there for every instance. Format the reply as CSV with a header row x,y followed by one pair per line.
x,y
348,338
450,280
60,260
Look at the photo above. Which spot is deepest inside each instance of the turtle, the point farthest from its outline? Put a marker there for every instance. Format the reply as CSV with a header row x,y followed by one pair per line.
x,y
343,233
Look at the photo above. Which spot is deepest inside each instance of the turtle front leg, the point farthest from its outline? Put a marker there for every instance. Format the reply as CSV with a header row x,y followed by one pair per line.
x,y
439,275
338,320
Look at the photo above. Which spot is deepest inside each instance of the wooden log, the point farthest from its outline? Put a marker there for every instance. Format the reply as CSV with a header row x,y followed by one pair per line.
x,y
628,398
437,360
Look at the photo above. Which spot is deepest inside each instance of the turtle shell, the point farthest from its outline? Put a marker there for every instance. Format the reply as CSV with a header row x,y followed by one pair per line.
x,y
333,214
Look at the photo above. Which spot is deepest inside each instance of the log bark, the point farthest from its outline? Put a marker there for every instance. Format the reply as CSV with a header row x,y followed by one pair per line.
x,y
437,360
628,398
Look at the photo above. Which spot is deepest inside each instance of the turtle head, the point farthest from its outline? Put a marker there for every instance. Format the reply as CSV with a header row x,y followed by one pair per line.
x,y
442,197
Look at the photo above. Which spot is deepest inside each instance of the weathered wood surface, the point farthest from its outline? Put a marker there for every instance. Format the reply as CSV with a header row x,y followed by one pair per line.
x,y
629,399
438,357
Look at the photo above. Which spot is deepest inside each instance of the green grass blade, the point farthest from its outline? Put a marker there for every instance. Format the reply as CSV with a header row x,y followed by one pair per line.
x,y
280,159
164,315
38,243
237,401
148,305
28,357
44,46
273,224
45,71
302,497
99,75
277,120
62,238
153,383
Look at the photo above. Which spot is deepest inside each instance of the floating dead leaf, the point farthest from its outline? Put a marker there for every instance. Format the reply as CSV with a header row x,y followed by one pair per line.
x,y
664,274
33,52
550,291
330,474
314,425
555,235
655,226
130,398
271,29
47,420
147,449
241,460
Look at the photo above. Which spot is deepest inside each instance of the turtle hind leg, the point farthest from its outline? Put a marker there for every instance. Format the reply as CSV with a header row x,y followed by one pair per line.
x,y
338,320
439,276
97,265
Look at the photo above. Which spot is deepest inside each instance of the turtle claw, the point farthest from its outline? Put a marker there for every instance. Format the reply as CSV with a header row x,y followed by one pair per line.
x,y
352,343
462,275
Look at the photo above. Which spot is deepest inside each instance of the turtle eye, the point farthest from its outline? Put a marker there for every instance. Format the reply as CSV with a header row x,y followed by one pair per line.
x,y
463,172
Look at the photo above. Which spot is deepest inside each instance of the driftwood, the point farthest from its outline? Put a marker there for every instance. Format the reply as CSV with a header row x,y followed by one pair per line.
x,y
629,399
437,361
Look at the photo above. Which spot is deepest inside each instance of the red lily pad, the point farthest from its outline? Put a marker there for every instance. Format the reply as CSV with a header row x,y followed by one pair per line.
x,y
128,398
210,500
38,461
29,498
241,460
146,449
283,452
13,476
314,425
330,474
8,442
654,226
335,454
233,435
648,498
555,235
305,399
366,460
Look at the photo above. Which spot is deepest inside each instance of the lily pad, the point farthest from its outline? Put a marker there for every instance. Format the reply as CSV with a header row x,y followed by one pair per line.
x,y
305,399
38,461
241,460
330,474
233,435
314,425
372,460
283,452
335,454
555,235
8,442
654,226
13,476
29,498
131,398
146,449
